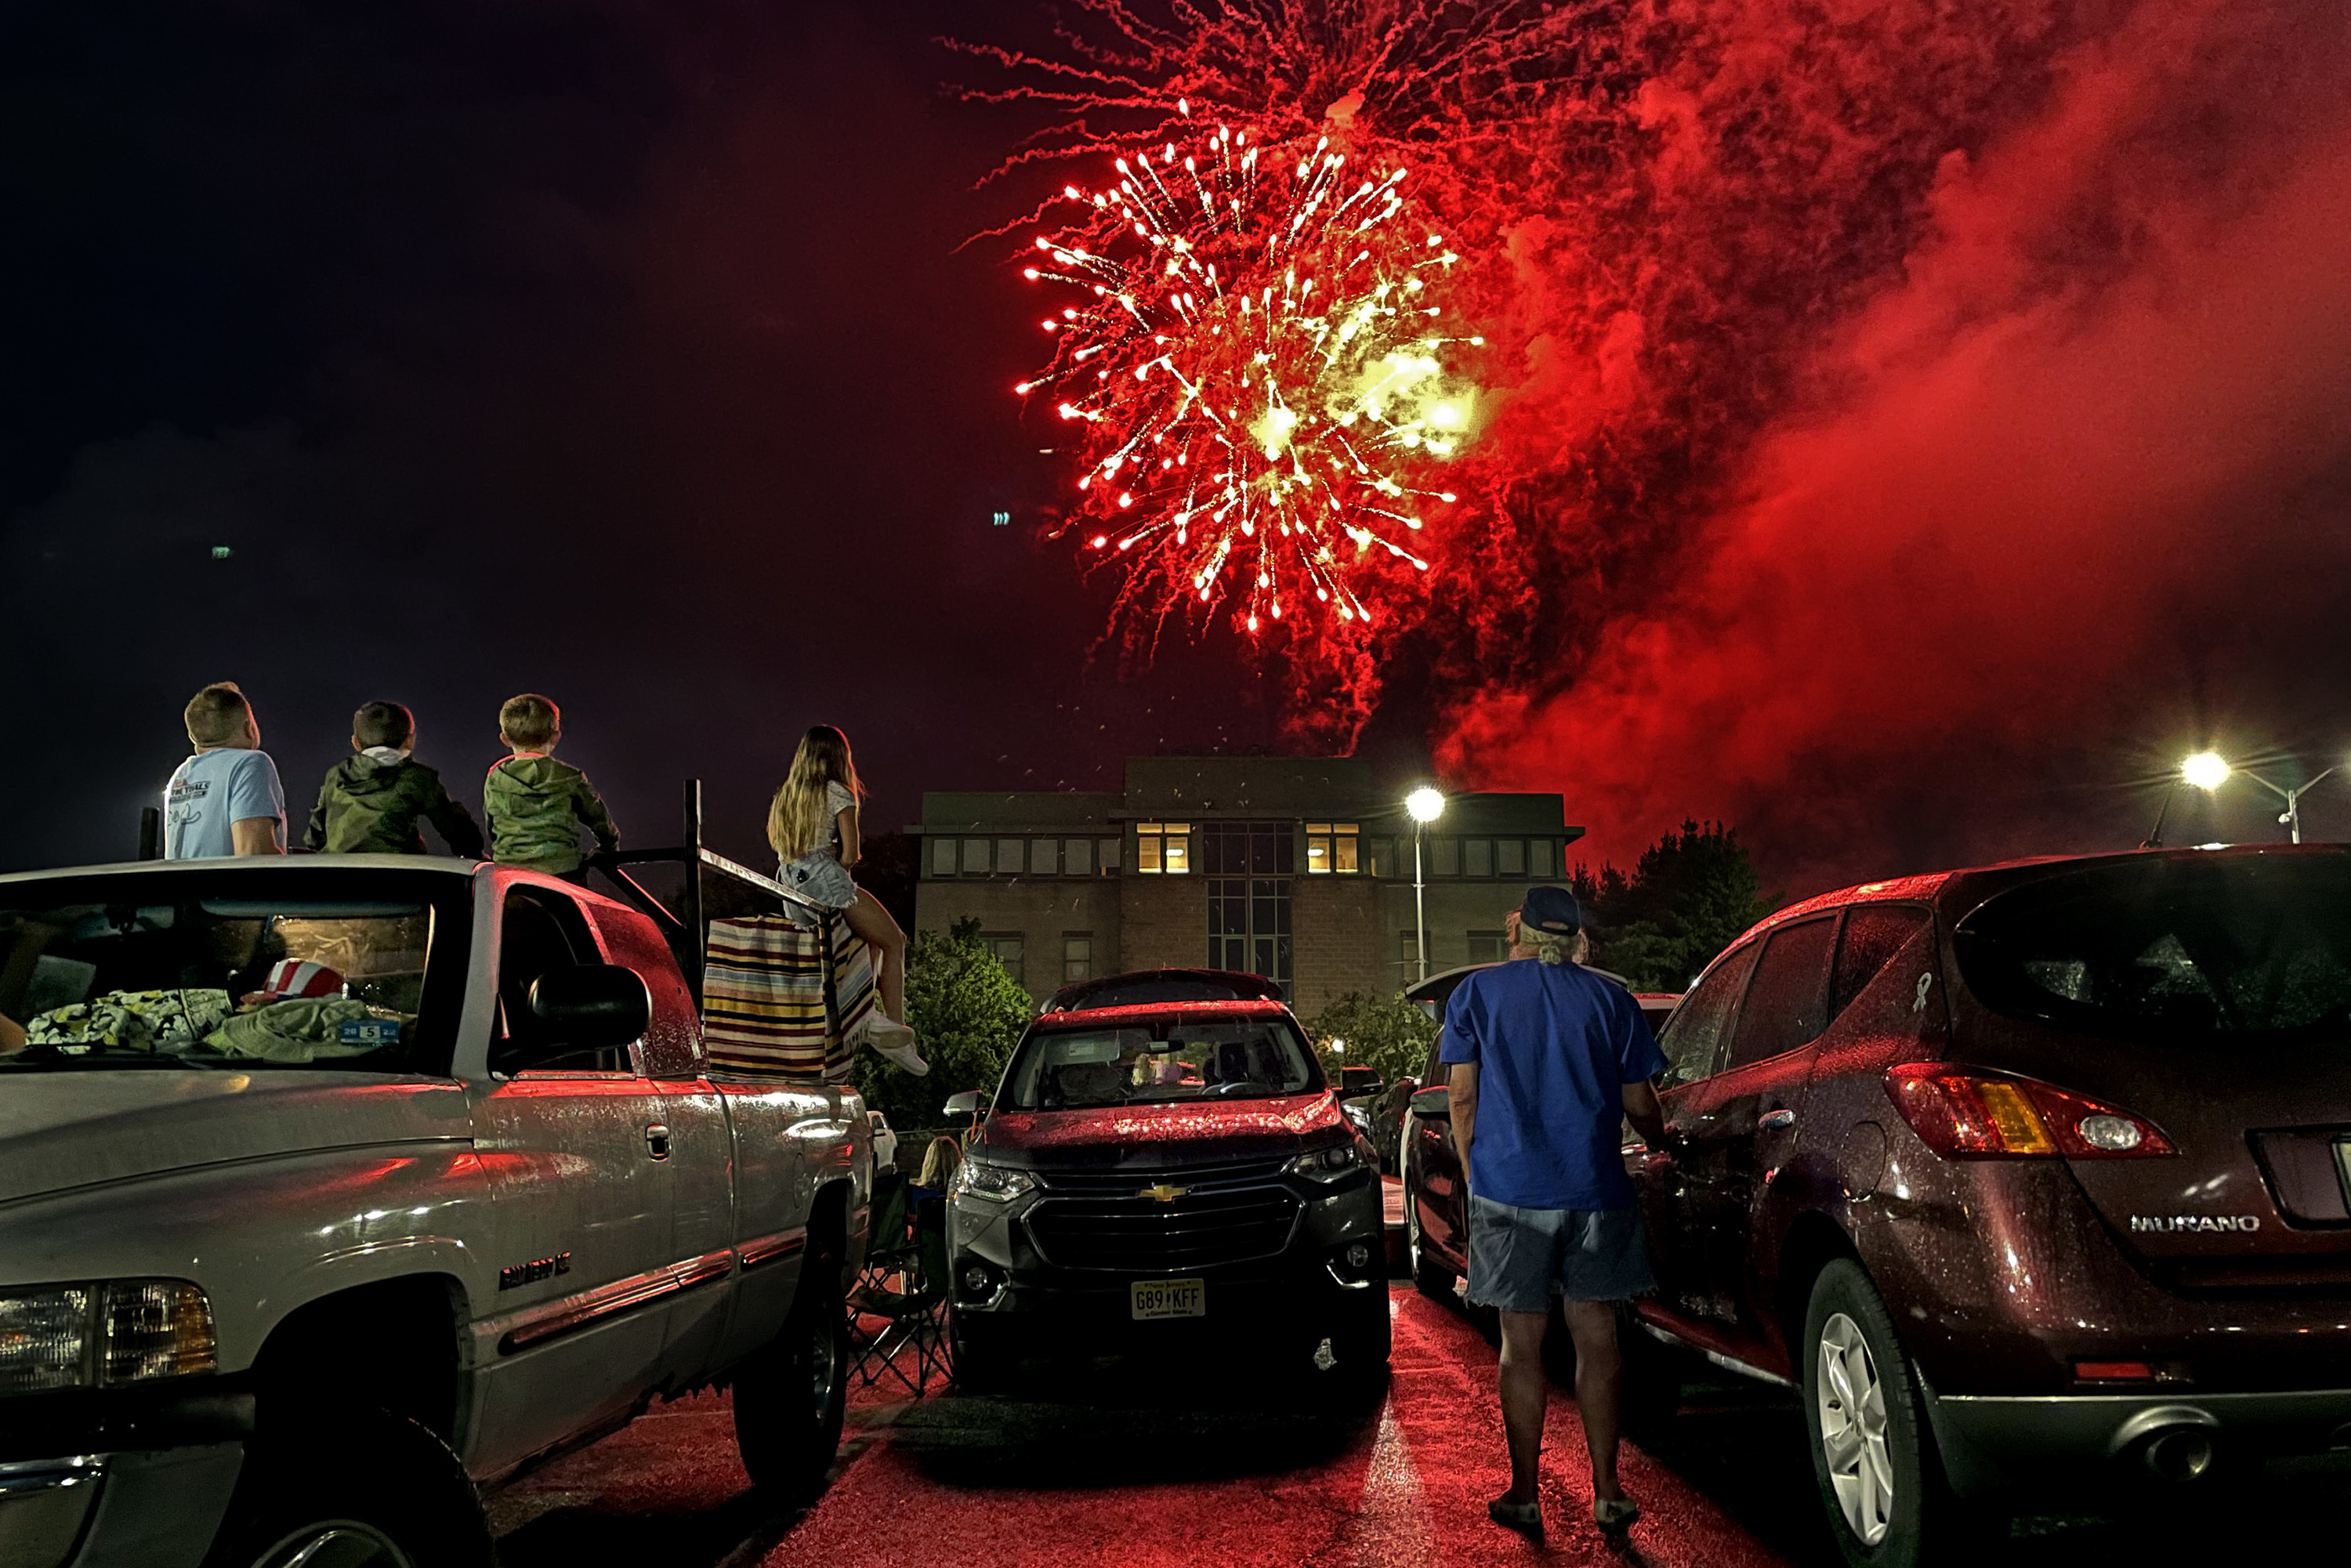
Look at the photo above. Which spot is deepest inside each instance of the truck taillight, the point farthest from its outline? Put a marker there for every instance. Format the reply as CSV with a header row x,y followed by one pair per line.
x,y
1975,1115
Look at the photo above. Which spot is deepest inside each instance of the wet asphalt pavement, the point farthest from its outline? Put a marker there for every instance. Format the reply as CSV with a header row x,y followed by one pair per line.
x,y
1130,1464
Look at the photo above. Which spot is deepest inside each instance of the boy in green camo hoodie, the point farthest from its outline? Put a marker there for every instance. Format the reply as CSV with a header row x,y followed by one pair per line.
x,y
536,805
371,802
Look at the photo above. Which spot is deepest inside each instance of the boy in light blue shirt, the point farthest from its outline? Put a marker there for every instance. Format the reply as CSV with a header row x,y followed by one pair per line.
x,y
225,799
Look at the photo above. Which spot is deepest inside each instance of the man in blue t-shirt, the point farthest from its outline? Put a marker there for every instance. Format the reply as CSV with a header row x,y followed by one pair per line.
x,y
1547,1060
225,799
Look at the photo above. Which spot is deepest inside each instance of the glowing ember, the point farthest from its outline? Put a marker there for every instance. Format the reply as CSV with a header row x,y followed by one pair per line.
x,y
1258,355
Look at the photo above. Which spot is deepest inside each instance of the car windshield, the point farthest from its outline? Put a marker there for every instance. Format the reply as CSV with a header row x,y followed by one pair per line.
x,y
188,972
2172,947
1158,1061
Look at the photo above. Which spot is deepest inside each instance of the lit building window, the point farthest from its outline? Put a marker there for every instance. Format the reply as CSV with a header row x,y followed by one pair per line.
x,y
1077,956
1511,856
1007,947
1163,847
1332,847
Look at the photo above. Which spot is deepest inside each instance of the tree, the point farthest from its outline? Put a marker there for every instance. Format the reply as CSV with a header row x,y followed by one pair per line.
x,y
967,1014
1690,894
1387,1033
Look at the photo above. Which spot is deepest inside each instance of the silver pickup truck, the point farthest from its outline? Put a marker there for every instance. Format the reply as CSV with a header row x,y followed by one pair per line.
x,y
333,1190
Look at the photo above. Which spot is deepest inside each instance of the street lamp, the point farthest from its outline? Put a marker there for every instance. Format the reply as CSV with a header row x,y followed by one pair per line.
x,y
2208,770
1426,805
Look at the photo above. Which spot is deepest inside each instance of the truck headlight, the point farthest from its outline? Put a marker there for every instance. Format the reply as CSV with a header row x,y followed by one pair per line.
x,y
1326,1164
999,1184
103,1335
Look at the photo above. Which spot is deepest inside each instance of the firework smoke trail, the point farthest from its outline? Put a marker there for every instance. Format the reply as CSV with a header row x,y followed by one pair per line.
x,y
1257,364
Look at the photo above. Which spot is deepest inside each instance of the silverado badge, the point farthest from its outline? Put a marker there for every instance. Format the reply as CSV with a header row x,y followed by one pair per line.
x,y
1163,1193
535,1270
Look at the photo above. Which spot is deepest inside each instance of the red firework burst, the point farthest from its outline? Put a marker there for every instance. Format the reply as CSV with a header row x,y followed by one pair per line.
x,y
1259,359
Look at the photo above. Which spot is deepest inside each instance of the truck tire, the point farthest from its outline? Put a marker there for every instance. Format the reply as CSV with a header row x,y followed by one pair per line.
x,y
361,1490
1881,1482
1431,1278
790,1397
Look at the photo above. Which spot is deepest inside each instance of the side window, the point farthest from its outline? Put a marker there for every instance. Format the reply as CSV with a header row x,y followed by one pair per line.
x,y
673,1043
1692,1036
1787,1005
542,931
1874,935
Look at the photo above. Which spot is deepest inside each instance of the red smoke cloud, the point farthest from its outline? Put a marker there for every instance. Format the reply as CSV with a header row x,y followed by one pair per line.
x,y
1942,492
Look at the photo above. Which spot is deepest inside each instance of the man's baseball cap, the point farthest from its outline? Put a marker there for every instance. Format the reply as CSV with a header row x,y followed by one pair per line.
x,y
1553,910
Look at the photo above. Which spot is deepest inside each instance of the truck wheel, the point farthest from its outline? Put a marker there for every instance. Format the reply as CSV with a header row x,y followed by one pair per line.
x,y
1880,1480
358,1490
1432,1277
790,1397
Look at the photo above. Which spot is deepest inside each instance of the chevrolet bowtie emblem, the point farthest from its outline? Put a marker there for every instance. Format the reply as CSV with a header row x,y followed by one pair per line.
x,y
1163,1193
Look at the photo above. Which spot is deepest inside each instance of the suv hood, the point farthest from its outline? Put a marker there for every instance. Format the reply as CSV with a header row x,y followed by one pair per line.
x,y
79,1129
1157,1136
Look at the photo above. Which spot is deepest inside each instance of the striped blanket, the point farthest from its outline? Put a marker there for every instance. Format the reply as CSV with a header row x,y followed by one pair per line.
x,y
763,998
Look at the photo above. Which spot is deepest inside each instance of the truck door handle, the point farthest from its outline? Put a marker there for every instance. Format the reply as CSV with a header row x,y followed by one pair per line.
x,y
657,1140
1776,1121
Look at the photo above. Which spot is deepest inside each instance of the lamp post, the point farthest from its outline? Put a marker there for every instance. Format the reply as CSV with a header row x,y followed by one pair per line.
x,y
2292,816
1426,805
2208,770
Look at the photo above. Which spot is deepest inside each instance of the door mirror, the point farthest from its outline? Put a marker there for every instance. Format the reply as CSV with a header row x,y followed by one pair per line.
x,y
1437,1102
587,1006
970,1103
1355,1081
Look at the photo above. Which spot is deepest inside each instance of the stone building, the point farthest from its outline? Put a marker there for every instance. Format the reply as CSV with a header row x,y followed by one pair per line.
x,y
1297,868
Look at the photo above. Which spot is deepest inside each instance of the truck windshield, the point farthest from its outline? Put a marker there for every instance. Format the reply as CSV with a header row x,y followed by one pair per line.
x,y
191,972
2172,947
1225,1059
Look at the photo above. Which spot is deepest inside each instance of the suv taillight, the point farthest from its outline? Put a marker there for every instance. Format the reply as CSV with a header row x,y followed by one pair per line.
x,y
1974,1116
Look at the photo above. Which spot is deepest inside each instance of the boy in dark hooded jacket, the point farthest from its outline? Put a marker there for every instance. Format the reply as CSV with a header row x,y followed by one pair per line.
x,y
536,804
370,803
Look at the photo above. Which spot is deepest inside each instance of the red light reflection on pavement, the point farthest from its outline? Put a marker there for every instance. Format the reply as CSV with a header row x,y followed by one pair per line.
x,y
1414,1493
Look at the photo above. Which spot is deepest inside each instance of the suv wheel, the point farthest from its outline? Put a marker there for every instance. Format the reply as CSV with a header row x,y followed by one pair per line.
x,y
978,1353
358,1490
1363,1337
790,1398
1872,1456
1432,1277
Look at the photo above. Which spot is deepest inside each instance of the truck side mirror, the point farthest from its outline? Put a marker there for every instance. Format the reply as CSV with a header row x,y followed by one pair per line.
x,y
589,1007
1355,1081
1435,1101
970,1103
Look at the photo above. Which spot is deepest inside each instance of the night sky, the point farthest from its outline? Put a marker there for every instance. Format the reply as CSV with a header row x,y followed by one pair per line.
x,y
634,353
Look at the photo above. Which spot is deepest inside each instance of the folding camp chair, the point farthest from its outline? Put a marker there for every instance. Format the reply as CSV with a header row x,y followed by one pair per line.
x,y
906,1294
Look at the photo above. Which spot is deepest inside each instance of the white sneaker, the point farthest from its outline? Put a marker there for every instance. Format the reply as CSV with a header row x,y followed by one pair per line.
x,y
895,1041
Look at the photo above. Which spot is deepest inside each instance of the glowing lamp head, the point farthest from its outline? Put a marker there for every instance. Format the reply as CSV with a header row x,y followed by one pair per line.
x,y
2206,771
1426,805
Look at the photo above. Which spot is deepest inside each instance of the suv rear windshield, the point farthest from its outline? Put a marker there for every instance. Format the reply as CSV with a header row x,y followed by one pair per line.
x,y
1160,1061
2172,947
249,971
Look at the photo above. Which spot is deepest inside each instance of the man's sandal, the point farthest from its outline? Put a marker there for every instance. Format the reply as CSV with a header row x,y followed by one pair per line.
x,y
1526,1518
1614,1513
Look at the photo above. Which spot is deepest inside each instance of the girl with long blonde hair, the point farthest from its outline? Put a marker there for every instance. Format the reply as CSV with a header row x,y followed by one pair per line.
x,y
812,825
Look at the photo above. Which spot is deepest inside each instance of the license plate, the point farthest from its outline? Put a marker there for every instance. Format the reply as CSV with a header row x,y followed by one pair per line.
x,y
1168,1298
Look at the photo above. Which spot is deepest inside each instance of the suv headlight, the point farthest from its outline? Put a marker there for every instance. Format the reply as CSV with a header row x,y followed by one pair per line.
x,y
999,1184
103,1335
1327,1164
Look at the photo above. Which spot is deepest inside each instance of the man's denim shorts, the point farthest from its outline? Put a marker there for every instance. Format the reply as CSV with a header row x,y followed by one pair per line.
x,y
1520,1258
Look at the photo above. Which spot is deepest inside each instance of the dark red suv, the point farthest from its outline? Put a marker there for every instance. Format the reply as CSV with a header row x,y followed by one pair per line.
x,y
2024,1177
